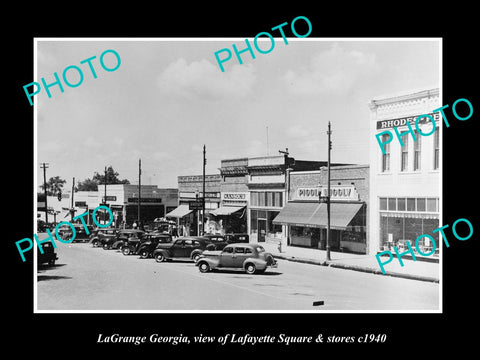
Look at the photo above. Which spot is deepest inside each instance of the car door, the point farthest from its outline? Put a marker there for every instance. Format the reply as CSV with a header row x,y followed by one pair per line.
x,y
226,257
188,247
178,248
239,256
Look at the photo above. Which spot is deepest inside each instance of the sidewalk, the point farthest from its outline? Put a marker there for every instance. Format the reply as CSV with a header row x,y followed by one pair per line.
x,y
416,270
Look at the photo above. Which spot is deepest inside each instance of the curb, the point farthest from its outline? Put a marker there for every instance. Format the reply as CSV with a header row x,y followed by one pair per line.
x,y
358,268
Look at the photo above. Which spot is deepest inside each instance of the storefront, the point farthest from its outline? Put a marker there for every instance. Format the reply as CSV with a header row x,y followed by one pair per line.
x,y
405,181
231,216
190,189
306,217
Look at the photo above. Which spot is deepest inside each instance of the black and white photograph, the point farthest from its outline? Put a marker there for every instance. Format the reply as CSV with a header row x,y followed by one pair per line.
x,y
238,181
214,183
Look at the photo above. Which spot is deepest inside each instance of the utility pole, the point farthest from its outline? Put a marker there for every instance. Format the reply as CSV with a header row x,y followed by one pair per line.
x,y
329,132
73,192
139,189
45,167
203,200
105,196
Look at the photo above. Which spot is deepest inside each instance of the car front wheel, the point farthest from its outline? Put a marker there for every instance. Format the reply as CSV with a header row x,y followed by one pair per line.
x,y
126,250
250,268
159,257
203,267
144,254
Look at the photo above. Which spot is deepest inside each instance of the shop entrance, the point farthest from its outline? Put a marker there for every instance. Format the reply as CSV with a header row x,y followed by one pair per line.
x,y
262,229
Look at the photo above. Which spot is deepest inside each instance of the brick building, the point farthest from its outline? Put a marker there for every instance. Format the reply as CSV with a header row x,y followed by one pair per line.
x,y
306,218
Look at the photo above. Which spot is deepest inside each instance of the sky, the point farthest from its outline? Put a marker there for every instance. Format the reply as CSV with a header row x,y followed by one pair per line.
x,y
169,97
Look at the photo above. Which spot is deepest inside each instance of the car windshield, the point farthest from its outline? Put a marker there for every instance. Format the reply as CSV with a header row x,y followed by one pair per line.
x,y
260,249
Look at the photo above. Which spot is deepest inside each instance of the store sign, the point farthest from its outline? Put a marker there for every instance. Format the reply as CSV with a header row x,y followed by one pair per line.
x,y
145,200
337,192
81,203
390,123
109,198
193,195
196,204
236,196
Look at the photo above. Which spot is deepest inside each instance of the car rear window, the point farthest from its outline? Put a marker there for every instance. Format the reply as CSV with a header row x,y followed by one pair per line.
x,y
248,251
260,249
239,250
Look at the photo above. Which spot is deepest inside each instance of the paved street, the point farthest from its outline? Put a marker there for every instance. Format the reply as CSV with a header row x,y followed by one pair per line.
x,y
87,278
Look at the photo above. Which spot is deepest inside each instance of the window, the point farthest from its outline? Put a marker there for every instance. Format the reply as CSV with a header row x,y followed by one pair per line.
x,y
421,204
248,251
386,155
392,204
270,198
261,199
228,250
383,203
432,205
436,149
404,155
410,204
253,221
416,151
254,198
401,204
239,250
278,199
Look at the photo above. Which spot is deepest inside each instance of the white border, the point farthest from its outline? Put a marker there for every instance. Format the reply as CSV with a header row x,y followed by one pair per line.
x,y
319,311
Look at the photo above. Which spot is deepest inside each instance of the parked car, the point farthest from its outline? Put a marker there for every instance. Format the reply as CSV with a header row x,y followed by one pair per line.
x,y
185,247
49,255
65,231
150,242
252,258
218,242
132,245
100,235
121,237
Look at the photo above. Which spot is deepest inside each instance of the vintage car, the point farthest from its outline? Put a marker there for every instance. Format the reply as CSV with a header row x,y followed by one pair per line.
x,y
218,242
100,235
251,258
49,255
150,242
185,247
121,238
66,233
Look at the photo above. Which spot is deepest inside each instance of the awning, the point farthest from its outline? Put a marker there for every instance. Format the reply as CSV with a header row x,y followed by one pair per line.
x,y
315,215
179,212
226,210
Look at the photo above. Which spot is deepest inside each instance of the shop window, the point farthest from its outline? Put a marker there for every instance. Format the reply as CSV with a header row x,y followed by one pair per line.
x,y
253,221
383,203
386,155
421,204
416,151
392,204
410,204
401,204
432,204
273,230
262,214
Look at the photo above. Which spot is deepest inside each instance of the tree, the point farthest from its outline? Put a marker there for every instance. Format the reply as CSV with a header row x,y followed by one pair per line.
x,y
99,179
54,186
112,177
87,185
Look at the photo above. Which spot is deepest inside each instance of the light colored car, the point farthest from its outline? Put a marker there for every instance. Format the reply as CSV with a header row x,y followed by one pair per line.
x,y
252,258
